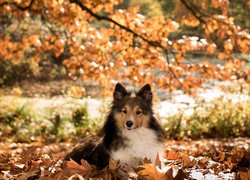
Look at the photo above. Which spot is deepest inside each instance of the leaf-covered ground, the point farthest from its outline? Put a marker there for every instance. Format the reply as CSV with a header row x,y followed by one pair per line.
x,y
186,159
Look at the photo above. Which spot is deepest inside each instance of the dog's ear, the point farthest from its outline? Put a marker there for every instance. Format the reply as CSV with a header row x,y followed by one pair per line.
x,y
145,93
120,92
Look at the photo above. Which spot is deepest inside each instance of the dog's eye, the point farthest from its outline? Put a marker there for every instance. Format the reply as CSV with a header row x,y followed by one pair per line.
x,y
138,112
124,111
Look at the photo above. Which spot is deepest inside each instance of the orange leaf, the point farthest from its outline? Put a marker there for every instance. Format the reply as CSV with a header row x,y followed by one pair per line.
x,y
186,161
149,171
112,165
172,155
70,168
205,160
244,175
174,173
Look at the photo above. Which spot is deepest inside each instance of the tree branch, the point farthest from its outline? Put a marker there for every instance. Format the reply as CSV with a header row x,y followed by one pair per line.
x,y
105,18
18,6
200,18
149,42
200,15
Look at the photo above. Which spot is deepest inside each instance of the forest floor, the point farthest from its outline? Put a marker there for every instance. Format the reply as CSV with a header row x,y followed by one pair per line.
x,y
183,159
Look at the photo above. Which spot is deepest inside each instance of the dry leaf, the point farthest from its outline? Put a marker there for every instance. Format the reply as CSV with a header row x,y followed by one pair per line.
x,y
150,172
245,175
71,167
158,161
204,160
33,174
112,165
172,155
186,161
174,173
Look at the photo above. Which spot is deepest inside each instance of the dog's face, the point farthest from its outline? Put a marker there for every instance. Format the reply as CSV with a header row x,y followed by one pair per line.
x,y
132,111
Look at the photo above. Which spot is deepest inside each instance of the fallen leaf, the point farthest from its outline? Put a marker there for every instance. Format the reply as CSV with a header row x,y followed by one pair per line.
x,y
187,162
204,160
124,171
245,175
174,173
158,161
71,167
149,171
112,165
237,154
86,165
33,174
172,155
147,160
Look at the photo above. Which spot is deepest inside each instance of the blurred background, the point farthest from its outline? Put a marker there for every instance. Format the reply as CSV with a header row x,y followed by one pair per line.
x,y
60,60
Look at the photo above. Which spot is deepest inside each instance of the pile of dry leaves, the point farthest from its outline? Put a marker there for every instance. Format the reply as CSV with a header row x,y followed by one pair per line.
x,y
203,159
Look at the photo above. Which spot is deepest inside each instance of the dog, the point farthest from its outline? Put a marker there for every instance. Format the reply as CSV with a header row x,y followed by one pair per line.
x,y
130,133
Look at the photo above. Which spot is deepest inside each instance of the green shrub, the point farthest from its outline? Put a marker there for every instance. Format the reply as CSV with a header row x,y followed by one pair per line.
x,y
85,125
14,120
21,122
220,118
80,116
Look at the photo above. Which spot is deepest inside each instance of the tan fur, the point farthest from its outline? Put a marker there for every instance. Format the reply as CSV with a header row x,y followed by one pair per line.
x,y
131,114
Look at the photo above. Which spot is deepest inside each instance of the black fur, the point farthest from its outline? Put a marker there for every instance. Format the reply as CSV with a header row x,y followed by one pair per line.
x,y
95,154
99,154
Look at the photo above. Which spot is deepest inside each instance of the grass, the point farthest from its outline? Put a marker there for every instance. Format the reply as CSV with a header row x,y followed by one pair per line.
x,y
71,121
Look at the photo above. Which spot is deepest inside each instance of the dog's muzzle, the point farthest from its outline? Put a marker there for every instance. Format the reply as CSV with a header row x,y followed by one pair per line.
x,y
129,124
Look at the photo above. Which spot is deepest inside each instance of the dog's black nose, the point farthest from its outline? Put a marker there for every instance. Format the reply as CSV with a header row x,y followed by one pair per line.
x,y
129,123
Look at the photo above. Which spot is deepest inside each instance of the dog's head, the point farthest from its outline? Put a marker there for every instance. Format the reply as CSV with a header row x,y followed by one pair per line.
x,y
132,111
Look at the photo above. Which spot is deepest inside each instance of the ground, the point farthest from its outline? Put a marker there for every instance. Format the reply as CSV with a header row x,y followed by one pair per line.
x,y
193,159
184,159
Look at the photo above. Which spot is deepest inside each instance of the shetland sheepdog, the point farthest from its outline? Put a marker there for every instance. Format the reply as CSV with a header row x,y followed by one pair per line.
x,y
130,133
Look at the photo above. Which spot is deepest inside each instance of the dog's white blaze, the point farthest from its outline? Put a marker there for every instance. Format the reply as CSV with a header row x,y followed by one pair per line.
x,y
142,142
133,95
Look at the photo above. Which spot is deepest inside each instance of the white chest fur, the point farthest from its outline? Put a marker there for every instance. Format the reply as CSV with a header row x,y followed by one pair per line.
x,y
142,142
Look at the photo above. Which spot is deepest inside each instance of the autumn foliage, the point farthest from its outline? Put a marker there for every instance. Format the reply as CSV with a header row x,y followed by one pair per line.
x,y
98,41
203,159
105,41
